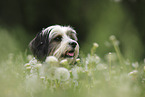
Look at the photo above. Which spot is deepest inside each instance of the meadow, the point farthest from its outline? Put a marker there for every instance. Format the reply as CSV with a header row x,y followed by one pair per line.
x,y
92,76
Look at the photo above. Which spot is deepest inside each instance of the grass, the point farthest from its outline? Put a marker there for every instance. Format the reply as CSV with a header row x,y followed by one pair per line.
x,y
92,76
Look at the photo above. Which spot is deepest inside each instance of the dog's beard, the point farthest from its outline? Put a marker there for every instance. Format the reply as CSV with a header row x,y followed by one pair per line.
x,y
64,51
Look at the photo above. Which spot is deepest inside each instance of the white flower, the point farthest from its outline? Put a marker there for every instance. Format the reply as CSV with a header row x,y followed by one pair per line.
x,y
64,62
51,60
29,57
28,68
38,65
101,66
42,77
93,59
135,65
111,57
62,74
75,71
50,73
27,65
134,72
78,60
112,37
115,41
95,45
33,61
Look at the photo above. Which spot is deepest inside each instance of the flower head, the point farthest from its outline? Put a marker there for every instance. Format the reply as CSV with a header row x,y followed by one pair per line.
x,y
51,60
38,65
95,45
33,61
62,74
112,37
29,57
50,73
64,62
78,60
93,59
27,65
135,65
29,68
134,72
75,71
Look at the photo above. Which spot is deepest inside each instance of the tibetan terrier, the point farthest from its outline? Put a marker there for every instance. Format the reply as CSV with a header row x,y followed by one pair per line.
x,y
58,41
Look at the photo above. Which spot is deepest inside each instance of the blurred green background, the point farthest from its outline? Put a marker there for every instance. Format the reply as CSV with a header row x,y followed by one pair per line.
x,y
94,21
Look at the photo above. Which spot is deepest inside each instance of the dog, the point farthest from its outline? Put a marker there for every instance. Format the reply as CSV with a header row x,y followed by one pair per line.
x,y
59,41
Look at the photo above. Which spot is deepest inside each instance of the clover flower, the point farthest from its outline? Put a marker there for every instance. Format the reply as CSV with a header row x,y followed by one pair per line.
x,y
62,74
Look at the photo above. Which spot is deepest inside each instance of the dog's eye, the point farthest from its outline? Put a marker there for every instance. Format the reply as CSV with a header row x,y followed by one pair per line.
x,y
58,38
73,37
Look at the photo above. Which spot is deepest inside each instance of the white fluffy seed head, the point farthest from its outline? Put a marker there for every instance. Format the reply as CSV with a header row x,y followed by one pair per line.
x,y
95,45
51,60
93,59
112,37
50,73
62,74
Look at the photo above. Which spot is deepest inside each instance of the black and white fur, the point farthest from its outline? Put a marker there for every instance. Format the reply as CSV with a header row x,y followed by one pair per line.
x,y
58,41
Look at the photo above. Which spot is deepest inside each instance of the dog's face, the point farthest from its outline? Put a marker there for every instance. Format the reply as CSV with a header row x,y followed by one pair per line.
x,y
58,41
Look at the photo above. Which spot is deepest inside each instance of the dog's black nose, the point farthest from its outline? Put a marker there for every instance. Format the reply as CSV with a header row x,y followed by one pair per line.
x,y
73,44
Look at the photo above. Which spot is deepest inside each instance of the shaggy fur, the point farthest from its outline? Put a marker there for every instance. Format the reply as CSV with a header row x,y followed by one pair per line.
x,y
58,41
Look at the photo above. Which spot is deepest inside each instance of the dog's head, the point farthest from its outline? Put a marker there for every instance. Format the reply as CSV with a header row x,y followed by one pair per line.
x,y
58,41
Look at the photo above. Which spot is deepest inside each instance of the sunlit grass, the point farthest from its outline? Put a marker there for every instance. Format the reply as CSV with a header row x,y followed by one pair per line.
x,y
92,76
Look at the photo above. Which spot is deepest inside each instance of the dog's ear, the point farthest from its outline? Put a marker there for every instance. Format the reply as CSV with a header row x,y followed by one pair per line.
x,y
39,46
